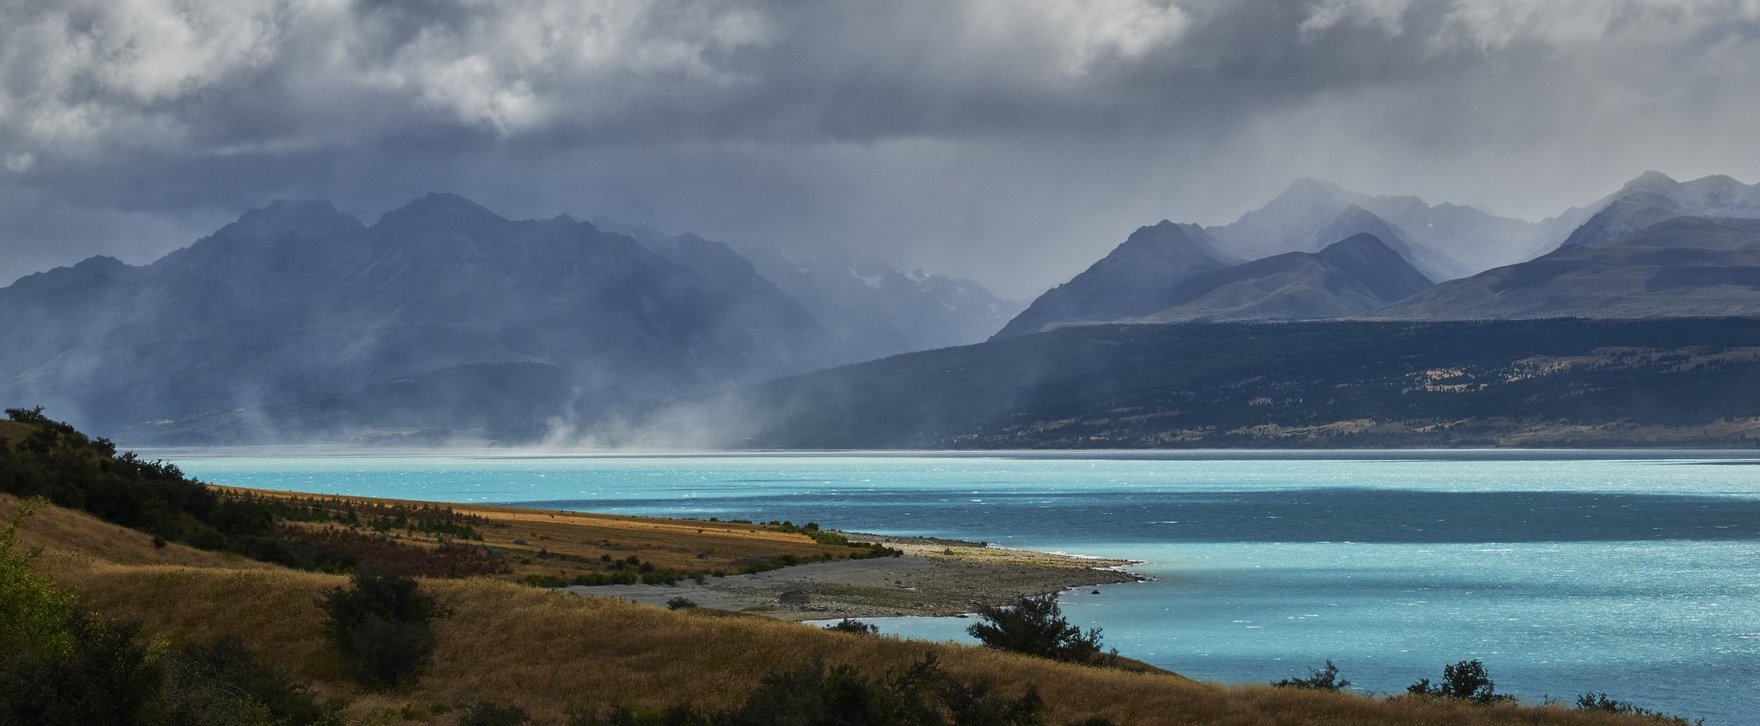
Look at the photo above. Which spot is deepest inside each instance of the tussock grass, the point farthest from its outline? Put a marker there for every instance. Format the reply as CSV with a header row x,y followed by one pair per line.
x,y
549,652
564,544
11,431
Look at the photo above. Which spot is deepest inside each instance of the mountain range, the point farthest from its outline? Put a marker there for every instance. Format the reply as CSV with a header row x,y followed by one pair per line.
x,y
870,309
441,319
1563,383
1655,248
444,321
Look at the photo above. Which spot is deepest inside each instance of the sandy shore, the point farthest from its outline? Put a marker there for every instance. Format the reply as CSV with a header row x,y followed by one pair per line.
x,y
934,577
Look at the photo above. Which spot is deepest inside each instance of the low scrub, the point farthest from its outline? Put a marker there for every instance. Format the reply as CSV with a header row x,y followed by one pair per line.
x,y
1600,702
383,625
1318,679
920,695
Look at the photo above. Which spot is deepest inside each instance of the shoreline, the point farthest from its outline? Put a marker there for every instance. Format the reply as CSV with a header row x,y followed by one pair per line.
x,y
933,578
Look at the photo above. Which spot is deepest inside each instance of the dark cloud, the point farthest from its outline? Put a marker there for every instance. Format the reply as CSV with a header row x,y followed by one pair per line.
x,y
1008,140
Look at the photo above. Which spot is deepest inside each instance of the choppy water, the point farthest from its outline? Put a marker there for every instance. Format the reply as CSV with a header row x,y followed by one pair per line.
x,y
1564,573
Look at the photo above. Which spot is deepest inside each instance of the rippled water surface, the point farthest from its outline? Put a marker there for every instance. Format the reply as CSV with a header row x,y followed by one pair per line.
x,y
1633,573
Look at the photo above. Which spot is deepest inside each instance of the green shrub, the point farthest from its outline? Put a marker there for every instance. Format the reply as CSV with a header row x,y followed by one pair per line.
x,y
383,625
1323,679
104,675
33,612
1465,680
1036,626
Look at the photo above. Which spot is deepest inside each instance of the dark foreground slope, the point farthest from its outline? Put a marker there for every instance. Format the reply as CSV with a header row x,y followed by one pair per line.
x,y
1511,383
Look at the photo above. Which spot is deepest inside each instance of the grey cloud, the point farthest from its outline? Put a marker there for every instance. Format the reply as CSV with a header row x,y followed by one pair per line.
x,y
937,132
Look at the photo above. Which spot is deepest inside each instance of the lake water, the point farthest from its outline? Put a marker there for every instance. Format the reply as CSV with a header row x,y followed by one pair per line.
x,y
1634,573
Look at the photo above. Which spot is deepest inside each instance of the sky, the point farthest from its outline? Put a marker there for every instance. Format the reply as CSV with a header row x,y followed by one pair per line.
x,y
1008,141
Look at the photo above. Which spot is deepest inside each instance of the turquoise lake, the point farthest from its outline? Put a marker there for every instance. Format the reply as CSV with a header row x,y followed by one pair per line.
x,y
1633,573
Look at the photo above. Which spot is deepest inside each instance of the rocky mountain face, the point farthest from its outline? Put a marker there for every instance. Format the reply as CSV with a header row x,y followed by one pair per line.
x,y
1655,197
1655,248
1137,278
1443,241
441,319
1348,278
1684,266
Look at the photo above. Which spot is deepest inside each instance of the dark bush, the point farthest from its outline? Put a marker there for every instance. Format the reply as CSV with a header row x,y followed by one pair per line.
x,y
221,680
922,694
1465,680
854,627
681,603
1323,679
680,715
1036,626
489,713
383,625
105,676
814,695
1600,702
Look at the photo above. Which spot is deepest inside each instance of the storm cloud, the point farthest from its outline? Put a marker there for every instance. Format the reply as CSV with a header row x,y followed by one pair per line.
x,y
1011,141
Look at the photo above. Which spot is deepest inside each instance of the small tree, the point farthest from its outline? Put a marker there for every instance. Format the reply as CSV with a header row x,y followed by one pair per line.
x,y
383,626
1465,680
854,627
1036,626
1324,679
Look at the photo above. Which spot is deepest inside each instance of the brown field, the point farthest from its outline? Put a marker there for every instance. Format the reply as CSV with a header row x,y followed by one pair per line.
x,y
550,652
564,544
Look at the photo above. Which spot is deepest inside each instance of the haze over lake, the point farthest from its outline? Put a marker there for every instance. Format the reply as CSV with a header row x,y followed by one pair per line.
x,y
1634,573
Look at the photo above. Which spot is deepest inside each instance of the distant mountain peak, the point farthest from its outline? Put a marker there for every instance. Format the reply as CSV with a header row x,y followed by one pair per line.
x,y
1362,241
1651,180
439,203
297,218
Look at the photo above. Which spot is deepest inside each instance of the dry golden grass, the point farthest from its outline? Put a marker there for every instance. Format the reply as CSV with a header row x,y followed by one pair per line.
x,y
12,431
575,541
550,652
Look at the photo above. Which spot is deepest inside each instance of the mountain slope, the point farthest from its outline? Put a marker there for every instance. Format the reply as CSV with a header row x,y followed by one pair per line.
x,y
1135,279
1299,384
874,310
441,317
1445,241
1350,277
1684,266
868,308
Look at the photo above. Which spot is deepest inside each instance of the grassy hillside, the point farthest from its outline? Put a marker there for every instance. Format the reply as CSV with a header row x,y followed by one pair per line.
x,y
549,652
551,547
552,652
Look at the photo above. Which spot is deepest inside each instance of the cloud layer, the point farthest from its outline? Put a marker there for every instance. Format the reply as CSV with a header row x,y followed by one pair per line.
x,y
951,133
